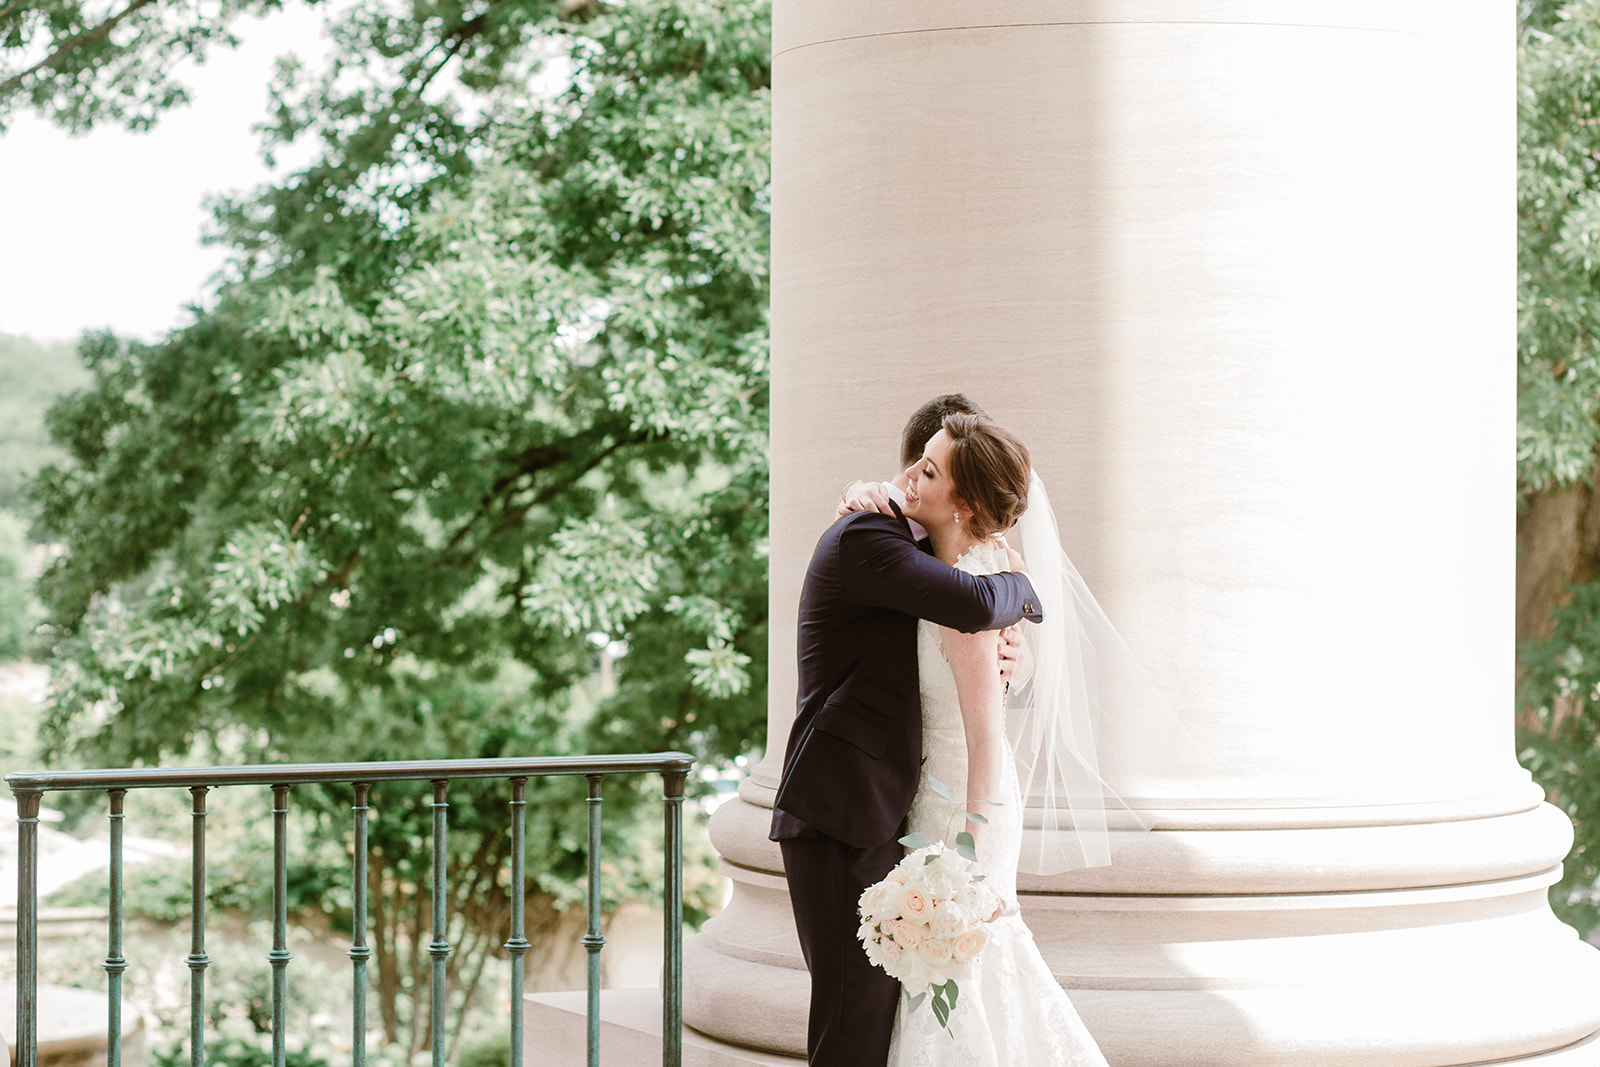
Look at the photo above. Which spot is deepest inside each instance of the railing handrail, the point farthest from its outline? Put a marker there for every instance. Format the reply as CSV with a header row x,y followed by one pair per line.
x,y
378,771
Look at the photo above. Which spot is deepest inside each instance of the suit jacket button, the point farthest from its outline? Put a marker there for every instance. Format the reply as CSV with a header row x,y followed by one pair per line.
x,y
1027,607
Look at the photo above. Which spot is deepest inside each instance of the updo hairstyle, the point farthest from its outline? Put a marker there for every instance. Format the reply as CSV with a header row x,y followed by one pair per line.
x,y
989,470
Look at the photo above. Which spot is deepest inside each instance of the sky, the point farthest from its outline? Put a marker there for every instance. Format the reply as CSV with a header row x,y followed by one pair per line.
x,y
104,230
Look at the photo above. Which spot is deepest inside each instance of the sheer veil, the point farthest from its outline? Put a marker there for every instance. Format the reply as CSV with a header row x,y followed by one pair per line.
x,y
1085,682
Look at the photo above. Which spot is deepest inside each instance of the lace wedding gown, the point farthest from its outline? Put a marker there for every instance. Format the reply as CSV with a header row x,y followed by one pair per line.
x,y
1011,1012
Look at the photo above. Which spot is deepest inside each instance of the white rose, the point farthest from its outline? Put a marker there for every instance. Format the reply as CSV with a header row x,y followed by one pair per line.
x,y
940,883
949,919
979,899
875,899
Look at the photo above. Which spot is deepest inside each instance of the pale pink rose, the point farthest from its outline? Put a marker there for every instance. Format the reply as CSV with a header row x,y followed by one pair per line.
x,y
908,934
894,900
935,952
889,952
969,943
916,905
897,876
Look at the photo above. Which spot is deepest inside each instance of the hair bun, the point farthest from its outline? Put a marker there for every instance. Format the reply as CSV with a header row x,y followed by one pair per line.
x,y
989,470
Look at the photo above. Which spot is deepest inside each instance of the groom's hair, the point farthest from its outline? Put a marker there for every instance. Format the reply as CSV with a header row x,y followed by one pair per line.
x,y
926,421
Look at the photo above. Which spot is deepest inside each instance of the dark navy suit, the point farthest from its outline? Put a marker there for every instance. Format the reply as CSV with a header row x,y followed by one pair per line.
x,y
855,751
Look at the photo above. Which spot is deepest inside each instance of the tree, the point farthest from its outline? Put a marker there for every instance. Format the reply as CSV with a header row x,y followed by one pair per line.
x,y
489,376
1558,424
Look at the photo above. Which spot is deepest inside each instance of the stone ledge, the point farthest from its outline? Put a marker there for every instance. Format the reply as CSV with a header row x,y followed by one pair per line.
x,y
630,1033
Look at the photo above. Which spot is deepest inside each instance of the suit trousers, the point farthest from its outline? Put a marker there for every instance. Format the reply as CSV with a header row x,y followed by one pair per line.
x,y
852,1002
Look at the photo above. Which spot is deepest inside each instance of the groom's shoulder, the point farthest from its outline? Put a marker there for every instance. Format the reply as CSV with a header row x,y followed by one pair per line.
x,y
868,523
859,531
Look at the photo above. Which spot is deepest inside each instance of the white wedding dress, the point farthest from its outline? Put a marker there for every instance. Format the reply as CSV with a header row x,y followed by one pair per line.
x,y
1011,1012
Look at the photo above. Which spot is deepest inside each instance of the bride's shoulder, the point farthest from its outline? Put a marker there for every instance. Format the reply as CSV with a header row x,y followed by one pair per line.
x,y
985,557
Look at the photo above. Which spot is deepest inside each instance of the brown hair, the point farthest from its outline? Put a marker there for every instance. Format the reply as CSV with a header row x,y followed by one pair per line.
x,y
926,420
989,469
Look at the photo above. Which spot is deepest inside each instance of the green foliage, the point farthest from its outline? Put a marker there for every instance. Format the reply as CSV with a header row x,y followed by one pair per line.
x,y
472,414
79,62
1560,695
491,1051
238,861
254,1050
1558,250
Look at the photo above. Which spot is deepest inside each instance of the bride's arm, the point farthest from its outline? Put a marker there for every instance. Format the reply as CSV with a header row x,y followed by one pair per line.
x,y
971,658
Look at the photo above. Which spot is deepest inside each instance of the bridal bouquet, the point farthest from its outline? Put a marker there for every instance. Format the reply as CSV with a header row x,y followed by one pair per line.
x,y
927,920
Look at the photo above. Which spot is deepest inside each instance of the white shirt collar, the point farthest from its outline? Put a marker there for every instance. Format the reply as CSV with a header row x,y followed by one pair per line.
x,y
899,497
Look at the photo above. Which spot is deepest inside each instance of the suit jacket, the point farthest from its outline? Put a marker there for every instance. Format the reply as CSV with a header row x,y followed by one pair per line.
x,y
855,750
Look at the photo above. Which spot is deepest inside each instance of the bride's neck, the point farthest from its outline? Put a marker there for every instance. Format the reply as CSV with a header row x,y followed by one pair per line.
x,y
950,543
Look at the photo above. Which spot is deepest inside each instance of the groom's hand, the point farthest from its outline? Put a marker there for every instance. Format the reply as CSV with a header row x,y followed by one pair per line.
x,y
864,496
1010,652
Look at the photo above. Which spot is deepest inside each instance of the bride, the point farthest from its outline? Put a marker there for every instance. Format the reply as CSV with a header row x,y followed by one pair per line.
x,y
971,485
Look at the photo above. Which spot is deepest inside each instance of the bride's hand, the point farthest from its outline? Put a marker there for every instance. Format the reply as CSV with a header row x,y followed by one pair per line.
x,y
864,496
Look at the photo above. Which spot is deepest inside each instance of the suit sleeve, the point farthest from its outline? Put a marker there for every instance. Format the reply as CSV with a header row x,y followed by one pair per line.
x,y
881,567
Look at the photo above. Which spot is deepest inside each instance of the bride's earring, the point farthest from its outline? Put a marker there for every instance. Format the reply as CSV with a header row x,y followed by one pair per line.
x,y
958,518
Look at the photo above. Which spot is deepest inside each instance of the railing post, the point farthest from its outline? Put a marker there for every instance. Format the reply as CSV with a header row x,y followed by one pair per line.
x,y
517,944
28,801
672,912
114,963
197,959
359,952
439,948
592,941
279,957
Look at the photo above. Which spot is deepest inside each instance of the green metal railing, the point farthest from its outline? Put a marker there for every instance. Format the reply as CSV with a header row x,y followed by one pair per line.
x,y
29,789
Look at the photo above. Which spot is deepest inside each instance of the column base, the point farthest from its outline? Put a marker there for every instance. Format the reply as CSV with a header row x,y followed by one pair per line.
x,y
1422,944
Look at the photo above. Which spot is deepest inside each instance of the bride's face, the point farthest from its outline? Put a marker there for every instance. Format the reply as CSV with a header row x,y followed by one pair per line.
x,y
930,497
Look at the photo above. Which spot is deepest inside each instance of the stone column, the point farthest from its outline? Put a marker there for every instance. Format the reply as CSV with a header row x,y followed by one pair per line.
x,y
1242,274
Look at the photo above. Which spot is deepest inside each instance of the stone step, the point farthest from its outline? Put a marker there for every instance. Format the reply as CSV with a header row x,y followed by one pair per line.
x,y
630,1033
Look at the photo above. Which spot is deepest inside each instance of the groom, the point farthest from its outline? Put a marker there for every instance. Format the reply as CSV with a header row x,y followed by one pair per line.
x,y
855,751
